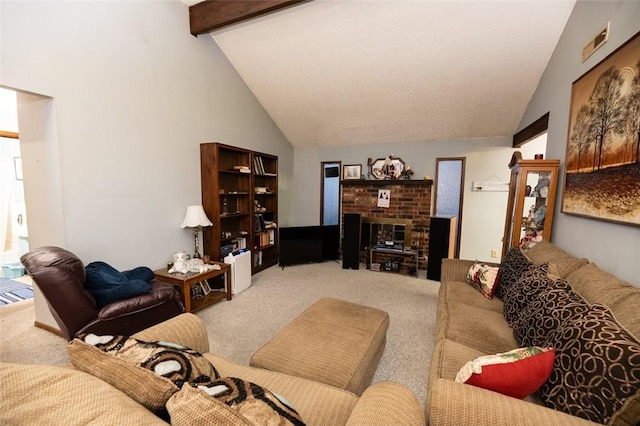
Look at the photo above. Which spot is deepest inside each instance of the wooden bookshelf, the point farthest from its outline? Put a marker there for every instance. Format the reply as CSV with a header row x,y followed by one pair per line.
x,y
240,196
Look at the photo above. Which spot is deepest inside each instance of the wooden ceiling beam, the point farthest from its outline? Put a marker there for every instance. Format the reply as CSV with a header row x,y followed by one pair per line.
x,y
211,15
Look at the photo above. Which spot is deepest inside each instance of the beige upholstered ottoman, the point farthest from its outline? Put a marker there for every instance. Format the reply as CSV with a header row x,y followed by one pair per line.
x,y
334,342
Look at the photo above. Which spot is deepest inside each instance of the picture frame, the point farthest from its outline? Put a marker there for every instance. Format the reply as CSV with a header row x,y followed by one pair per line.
x,y
352,172
602,161
388,168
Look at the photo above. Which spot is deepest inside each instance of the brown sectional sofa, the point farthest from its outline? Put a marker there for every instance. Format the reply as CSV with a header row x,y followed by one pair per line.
x,y
36,394
470,325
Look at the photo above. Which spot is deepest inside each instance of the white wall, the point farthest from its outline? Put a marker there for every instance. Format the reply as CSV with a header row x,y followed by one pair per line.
x,y
613,247
483,213
133,95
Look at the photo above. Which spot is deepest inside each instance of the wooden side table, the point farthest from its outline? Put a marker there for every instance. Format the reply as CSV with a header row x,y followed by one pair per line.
x,y
186,281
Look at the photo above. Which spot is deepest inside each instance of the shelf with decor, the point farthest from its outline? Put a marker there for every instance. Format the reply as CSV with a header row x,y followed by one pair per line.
x,y
238,184
530,203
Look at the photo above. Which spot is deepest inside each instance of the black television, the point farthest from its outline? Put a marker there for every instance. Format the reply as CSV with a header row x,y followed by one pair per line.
x,y
308,244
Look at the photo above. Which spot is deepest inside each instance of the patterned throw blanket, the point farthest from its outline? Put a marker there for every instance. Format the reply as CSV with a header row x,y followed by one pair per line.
x,y
106,284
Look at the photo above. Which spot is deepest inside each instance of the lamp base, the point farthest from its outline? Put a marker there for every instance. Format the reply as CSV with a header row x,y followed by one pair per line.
x,y
196,254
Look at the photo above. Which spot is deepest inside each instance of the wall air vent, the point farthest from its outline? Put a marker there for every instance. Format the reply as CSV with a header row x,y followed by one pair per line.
x,y
597,42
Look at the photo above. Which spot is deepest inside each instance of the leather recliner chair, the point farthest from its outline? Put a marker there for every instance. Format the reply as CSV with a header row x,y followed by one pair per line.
x,y
60,275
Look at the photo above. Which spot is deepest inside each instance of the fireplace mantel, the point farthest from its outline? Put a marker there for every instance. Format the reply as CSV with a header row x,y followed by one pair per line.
x,y
386,182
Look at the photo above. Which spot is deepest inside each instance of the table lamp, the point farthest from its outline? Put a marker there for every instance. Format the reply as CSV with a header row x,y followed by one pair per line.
x,y
196,218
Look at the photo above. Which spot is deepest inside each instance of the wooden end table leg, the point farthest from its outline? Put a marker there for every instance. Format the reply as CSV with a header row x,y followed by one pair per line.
x,y
186,295
227,277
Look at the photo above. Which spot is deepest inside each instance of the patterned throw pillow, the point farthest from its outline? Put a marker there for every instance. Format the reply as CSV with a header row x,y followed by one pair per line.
x,y
525,290
484,278
230,401
512,266
517,373
149,372
554,305
596,373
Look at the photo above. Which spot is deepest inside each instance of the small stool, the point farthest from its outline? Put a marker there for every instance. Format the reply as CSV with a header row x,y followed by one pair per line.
x,y
334,342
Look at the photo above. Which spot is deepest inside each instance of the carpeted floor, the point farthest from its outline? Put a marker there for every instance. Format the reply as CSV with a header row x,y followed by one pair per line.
x,y
239,327
13,291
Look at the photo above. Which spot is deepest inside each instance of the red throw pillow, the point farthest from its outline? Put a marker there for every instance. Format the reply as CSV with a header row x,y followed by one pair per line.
x,y
517,373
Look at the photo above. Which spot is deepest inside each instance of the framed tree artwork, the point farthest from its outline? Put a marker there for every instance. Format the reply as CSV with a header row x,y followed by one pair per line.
x,y
602,167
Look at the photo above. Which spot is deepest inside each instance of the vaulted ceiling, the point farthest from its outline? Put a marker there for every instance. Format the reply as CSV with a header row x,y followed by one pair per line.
x,y
349,72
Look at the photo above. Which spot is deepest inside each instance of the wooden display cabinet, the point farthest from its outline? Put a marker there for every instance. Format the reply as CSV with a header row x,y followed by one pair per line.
x,y
531,202
239,195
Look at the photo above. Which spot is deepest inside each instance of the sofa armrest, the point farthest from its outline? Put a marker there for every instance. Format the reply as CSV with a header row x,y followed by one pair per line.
x,y
455,403
387,403
456,269
185,329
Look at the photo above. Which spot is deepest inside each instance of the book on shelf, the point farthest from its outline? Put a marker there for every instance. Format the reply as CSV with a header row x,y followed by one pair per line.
x,y
242,169
258,165
257,259
239,243
259,222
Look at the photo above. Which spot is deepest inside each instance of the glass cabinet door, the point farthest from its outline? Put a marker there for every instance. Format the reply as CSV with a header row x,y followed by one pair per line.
x,y
532,191
534,209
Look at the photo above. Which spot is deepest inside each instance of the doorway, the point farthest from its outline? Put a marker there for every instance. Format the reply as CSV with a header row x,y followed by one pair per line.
x,y
13,216
449,192
330,192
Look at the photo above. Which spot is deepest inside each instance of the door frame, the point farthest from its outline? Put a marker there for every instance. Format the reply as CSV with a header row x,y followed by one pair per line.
x,y
461,199
339,163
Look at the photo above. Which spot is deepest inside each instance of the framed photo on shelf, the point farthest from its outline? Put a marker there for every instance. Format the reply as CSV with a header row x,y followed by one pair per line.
x,y
352,172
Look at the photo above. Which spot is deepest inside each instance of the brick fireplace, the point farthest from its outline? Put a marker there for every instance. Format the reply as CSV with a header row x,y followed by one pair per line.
x,y
410,199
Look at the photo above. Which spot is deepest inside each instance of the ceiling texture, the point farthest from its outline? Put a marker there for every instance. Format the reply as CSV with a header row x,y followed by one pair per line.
x,y
351,72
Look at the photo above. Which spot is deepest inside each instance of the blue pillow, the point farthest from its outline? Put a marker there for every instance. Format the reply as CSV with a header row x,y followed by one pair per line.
x,y
106,284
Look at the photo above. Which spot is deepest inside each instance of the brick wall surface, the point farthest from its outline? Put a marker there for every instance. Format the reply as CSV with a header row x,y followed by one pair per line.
x,y
410,199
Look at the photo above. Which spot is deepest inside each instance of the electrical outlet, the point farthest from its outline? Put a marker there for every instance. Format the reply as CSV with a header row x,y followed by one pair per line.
x,y
494,253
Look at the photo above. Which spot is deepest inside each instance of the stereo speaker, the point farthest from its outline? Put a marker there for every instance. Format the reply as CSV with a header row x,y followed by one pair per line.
x,y
351,241
441,244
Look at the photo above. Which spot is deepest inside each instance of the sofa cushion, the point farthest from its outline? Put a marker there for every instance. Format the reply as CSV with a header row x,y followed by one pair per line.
x,y
596,373
317,403
149,372
597,286
478,328
462,292
512,267
526,288
545,251
449,357
517,373
230,400
33,394
483,278
554,305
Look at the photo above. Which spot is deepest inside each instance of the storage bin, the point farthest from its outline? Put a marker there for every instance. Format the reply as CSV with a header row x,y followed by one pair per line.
x,y
12,270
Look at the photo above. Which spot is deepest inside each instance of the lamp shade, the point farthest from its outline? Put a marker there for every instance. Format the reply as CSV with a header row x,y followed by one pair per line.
x,y
195,217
